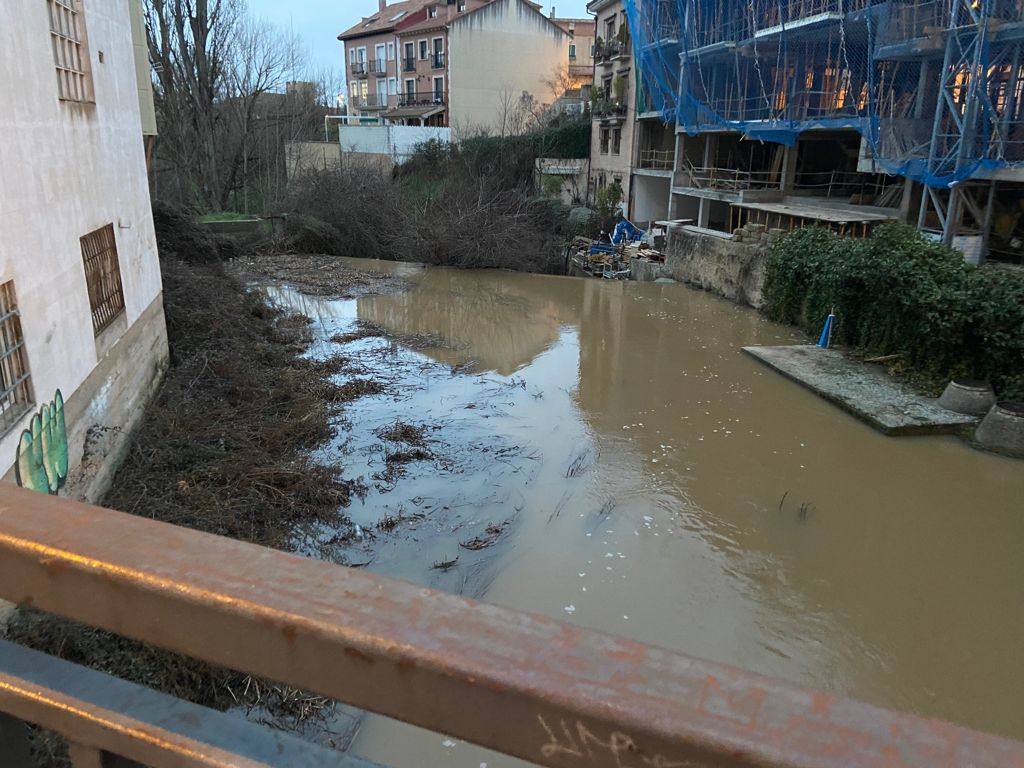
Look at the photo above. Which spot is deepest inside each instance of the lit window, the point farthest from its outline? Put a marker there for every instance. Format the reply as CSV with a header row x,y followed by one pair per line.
x,y
70,56
102,277
16,396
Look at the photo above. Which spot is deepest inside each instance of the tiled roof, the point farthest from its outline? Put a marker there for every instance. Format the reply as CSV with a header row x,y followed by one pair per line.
x,y
384,21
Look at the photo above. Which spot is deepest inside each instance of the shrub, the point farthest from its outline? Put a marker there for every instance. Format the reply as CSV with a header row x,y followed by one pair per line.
x,y
899,293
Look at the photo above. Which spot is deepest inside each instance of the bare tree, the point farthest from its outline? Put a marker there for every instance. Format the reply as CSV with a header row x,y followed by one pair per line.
x,y
223,118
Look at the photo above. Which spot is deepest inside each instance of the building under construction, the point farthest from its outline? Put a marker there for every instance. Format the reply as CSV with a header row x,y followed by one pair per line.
x,y
844,113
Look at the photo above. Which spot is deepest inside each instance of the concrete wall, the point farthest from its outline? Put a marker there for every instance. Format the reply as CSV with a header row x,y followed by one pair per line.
x,y
69,169
143,79
496,54
394,141
733,268
302,156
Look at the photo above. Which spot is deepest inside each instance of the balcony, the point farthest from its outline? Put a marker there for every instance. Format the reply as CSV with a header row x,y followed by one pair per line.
x,y
407,652
378,67
610,109
657,159
422,99
726,179
359,69
409,64
607,51
437,60
371,102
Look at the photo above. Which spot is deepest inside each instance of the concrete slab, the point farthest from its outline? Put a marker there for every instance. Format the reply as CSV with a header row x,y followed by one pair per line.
x,y
863,390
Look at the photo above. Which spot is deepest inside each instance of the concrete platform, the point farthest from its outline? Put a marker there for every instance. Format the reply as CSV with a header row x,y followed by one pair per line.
x,y
864,390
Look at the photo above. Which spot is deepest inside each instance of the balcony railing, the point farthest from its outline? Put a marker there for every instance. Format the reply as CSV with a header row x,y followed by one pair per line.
x,y
371,101
378,67
726,179
548,692
409,64
422,98
657,159
610,50
437,60
359,68
608,108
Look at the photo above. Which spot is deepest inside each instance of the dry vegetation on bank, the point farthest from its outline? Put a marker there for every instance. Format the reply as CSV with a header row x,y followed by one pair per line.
x,y
223,449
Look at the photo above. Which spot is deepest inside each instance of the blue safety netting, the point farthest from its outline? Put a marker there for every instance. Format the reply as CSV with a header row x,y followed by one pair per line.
x,y
771,69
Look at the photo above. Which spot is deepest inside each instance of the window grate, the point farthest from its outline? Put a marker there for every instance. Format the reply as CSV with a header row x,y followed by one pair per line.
x,y
16,395
69,53
102,277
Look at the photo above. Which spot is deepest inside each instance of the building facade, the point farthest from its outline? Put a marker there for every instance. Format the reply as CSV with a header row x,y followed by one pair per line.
x,y
842,113
444,63
82,336
613,101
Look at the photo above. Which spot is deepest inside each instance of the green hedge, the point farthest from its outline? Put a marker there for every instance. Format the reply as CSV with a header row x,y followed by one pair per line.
x,y
899,293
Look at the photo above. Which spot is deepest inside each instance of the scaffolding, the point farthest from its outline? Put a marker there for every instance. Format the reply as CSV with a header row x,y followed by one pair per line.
x,y
934,87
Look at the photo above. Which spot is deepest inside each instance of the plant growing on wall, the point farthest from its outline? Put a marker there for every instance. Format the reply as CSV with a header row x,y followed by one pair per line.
x,y
42,459
619,89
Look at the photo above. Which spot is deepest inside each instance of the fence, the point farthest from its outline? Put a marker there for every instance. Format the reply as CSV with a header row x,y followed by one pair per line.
x,y
525,685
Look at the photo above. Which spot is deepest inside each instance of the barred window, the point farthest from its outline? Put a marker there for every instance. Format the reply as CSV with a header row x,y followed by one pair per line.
x,y
102,277
67,35
16,395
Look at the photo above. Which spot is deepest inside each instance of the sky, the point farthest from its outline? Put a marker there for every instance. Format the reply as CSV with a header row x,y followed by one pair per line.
x,y
318,22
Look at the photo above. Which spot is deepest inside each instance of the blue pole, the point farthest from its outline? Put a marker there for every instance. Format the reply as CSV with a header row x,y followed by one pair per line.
x,y
825,340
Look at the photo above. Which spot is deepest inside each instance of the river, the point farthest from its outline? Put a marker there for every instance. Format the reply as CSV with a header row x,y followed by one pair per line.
x,y
651,481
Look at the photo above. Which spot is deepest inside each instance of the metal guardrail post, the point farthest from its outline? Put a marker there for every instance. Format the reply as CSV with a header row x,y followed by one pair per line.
x,y
526,685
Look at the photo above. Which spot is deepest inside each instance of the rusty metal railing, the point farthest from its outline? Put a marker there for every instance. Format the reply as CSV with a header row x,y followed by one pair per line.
x,y
525,685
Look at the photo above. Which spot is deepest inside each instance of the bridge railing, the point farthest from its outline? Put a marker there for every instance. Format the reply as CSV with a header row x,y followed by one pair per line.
x,y
525,685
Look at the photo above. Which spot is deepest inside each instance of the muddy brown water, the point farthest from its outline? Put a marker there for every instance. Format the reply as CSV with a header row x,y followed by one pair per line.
x,y
653,482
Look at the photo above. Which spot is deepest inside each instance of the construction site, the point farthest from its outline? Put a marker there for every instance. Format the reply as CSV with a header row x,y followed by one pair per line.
x,y
842,113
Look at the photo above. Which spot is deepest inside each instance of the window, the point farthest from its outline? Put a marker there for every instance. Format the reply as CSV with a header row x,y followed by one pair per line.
x,y
382,92
423,50
616,140
70,55
593,50
609,29
438,90
102,277
379,53
604,141
397,16
351,55
16,396
355,89
572,50
410,90
462,6
432,11
392,86
391,51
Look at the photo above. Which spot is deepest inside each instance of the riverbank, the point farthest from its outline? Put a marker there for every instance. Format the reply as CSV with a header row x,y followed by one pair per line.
x,y
226,447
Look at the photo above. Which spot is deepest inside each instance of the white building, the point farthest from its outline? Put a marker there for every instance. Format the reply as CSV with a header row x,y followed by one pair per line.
x,y
501,54
82,334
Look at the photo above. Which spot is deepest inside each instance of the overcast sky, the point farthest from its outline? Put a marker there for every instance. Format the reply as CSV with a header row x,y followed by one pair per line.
x,y
318,22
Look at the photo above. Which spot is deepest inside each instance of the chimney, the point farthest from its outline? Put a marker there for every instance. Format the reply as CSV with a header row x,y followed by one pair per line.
x,y
552,11
382,5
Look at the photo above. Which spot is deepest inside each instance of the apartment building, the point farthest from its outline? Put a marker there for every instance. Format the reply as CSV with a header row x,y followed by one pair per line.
x,y
460,63
581,49
371,58
613,100
82,336
842,113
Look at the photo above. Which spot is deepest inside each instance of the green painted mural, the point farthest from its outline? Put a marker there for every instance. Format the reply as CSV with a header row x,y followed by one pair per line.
x,y
42,462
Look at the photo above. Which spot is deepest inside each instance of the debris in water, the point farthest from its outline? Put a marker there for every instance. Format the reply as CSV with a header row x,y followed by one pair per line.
x,y
444,565
570,608
490,535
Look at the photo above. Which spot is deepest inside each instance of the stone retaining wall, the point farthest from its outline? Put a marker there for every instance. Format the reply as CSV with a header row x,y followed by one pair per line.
x,y
731,266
